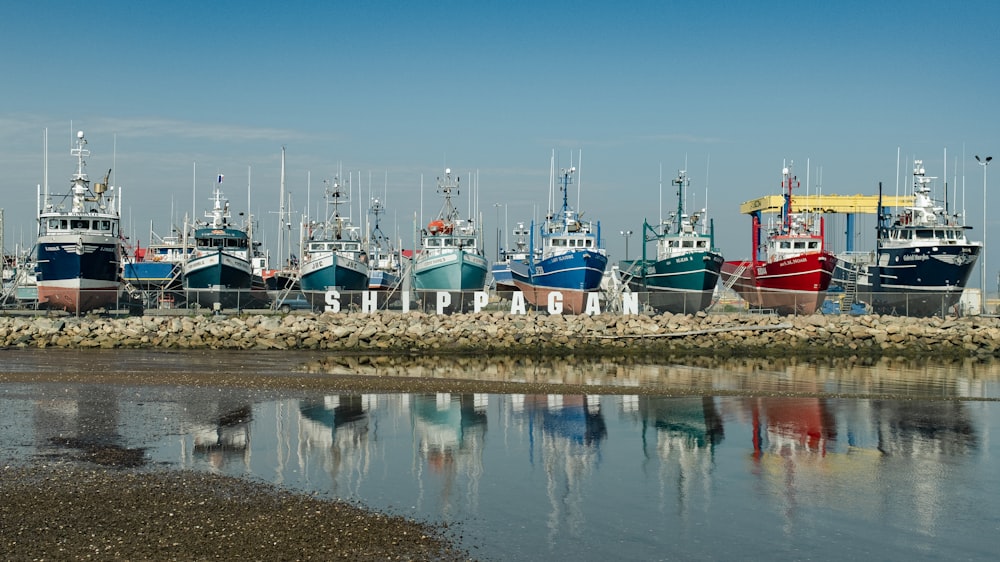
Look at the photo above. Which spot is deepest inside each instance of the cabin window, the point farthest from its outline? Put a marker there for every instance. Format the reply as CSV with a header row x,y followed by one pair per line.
x,y
105,225
672,243
786,245
558,242
81,224
924,234
54,224
689,244
813,245
702,244
800,245
590,243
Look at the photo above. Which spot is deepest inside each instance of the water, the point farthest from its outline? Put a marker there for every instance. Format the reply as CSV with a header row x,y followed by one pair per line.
x,y
752,459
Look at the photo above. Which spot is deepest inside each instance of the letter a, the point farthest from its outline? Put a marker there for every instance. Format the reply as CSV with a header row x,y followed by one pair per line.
x,y
517,303
593,304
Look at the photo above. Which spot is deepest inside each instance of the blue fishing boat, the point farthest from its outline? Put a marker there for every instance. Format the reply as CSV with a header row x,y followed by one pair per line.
x,y
503,279
79,250
219,271
383,260
159,265
682,276
451,256
922,259
572,260
333,257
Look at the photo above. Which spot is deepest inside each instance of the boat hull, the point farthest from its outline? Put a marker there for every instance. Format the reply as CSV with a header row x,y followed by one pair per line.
x,y
218,278
913,281
381,280
78,273
681,284
333,272
451,270
795,285
151,275
573,275
503,279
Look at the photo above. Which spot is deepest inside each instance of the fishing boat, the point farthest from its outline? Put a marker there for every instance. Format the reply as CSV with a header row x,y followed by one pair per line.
x,y
795,271
383,260
284,280
19,278
451,255
78,254
682,276
922,259
503,280
159,265
571,262
219,271
333,257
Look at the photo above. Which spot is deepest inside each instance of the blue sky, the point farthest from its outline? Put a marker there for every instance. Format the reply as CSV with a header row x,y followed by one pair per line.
x,y
396,91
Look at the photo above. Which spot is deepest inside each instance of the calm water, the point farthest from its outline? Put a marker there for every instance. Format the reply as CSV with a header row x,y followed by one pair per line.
x,y
777,460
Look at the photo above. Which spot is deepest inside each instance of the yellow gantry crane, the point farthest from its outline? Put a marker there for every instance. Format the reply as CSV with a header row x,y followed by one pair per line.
x,y
849,205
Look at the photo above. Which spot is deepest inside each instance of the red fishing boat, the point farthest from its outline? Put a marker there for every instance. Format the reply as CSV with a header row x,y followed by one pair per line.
x,y
795,271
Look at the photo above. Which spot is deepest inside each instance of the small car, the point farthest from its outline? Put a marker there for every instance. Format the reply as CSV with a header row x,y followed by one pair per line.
x,y
290,303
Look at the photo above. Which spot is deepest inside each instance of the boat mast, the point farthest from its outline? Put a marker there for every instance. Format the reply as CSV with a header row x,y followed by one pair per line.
x,y
680,182
789,181
281,213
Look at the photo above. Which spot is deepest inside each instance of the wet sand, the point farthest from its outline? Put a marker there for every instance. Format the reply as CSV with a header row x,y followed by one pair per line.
x,y
71,510
95,501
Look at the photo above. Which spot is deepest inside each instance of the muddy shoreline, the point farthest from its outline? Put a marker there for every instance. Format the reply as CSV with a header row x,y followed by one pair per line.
x,y
59,509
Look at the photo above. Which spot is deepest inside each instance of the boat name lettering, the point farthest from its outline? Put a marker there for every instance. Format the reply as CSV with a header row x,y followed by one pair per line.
x,y
915,257
793,262
480,299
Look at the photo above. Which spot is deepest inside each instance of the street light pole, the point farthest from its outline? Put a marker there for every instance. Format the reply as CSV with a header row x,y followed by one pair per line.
x,y
985,162
497,207
626,234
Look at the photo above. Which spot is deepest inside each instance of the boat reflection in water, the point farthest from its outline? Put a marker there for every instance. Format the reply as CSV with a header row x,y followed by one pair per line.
x,y
450,435
682,434
903,466
224,439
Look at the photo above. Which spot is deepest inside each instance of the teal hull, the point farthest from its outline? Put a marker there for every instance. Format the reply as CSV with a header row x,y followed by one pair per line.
x,y
452,271
682,284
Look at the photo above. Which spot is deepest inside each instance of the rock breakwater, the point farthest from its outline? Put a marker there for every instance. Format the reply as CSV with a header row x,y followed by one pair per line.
x,y
718,335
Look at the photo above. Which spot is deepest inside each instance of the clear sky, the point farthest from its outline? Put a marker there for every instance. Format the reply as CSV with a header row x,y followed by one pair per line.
x,y
392,92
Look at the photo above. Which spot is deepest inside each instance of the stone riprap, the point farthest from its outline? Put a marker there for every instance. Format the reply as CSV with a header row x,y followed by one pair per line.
x,y
497,332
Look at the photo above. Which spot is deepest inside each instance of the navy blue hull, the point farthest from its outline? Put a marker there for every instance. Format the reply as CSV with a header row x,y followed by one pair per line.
x,y
76,273
915,281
